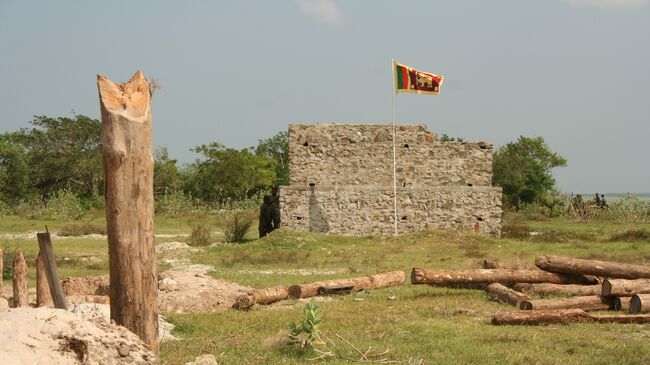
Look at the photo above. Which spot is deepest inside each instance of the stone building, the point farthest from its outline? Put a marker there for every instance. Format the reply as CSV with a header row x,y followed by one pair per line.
x,y
341,181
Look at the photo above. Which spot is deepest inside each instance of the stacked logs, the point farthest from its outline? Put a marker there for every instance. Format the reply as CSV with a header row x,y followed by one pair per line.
x,y
592,285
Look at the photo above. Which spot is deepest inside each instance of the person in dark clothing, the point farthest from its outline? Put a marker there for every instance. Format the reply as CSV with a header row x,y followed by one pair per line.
x,y
275,209
265,220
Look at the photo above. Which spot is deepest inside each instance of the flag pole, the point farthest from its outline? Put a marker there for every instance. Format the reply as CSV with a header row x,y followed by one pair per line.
x,y
394,92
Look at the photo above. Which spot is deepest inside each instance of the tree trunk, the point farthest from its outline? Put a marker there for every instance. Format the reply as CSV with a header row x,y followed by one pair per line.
x,y
503,276
495,264
2,258
587,303
625,288
43,296
376,281
562,316
128,174
262,296
546,288
21,298
640,303
56,291
477,286
502,293
570,265
622,303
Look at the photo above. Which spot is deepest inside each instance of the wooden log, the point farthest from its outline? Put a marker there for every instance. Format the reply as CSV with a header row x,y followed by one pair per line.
x,y
56,291
562,317
495,264
547,288
128,173
586,303
640,303
622,303
20,269
625,288
477,286
43,296
503,276
262,296
570,265
502,293
376,281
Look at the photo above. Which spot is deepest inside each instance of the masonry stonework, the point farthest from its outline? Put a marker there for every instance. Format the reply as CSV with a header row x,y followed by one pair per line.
x,y
341,181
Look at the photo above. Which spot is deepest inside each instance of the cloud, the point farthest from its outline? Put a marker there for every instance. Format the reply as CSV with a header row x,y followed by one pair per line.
x,y
607,3
322,10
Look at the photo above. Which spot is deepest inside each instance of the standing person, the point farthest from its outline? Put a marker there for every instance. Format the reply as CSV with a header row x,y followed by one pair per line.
x,y
275,209
264,226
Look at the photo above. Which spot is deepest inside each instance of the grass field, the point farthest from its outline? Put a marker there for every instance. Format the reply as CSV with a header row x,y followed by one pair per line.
x,y
411,324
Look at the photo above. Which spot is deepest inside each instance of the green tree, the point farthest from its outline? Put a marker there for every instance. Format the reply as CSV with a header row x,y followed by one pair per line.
x,y
523,170
228,174
14,171
166,177
277,148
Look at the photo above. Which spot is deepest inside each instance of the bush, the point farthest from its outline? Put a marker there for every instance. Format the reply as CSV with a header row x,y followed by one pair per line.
x,y
30,208
80,229
200,235
629,209
5,209
237,225
515,230
64,204
631,235
176,204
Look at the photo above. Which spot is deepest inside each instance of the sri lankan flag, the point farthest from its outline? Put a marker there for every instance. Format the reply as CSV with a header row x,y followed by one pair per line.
x,y
410,80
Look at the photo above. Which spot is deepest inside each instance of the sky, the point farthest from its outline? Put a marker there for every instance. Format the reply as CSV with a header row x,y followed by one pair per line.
x,y
576,72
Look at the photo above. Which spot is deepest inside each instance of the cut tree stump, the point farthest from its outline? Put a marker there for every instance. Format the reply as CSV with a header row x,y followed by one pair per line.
x,y
376,281
562,317
570,265
503,276
262,296
43,296
502,293
622,303
640,303
20,269
128,173
625,288
586,303
546,288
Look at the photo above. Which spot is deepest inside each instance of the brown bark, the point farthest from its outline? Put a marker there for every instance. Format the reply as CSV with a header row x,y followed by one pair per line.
x,y
570,265
477,286
43,296
1,270
128,173
640,303
546,288
586,303
503,276
562,316
625,288
495,264
262,296
56,291
21,298
622,303
502,293
376,281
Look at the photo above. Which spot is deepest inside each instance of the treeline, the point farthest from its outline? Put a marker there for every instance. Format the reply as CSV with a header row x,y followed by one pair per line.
x,y
64,154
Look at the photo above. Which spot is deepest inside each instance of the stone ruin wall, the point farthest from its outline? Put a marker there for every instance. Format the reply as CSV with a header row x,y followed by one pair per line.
x,y
340,181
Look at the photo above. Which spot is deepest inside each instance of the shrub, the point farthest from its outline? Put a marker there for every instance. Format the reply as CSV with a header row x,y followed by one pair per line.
x,y
515,230
5,209
200,235
629,209
64,204
237,225
631,235
81,229
176,204
30,208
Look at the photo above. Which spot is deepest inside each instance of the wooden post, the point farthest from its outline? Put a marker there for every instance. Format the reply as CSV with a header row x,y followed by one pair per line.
x,y
56,291
503,276
21,298
43,295
128,173
570,265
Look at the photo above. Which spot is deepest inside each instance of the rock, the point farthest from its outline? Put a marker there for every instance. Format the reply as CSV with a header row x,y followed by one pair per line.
x,y
123,349
204,360
167,284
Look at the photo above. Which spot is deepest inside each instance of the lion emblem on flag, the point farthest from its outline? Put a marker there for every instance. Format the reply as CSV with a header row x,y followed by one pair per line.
x,y
425,80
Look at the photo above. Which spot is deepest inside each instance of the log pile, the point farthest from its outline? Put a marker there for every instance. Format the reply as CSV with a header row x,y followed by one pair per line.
x,y
591,285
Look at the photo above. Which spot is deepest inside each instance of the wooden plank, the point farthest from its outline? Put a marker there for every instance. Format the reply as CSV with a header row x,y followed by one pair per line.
x,y
45,246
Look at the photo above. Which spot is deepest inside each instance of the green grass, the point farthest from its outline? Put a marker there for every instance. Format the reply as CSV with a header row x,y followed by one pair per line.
x,y
421,325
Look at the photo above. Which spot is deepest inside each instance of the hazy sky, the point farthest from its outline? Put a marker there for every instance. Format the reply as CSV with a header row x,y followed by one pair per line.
x,y
576,72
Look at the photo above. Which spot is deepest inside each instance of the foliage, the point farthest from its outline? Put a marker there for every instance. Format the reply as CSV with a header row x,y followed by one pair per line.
x,y
629,209
176,203
277,148
64,204
523,170
200,235
237,225
166,177
446,138
14,170
228,173
305,333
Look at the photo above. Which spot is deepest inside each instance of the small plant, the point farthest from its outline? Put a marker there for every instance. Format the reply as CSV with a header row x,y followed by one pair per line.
x,y
200,235
64,204
237,225
515,230
305,334
176,204
629,209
